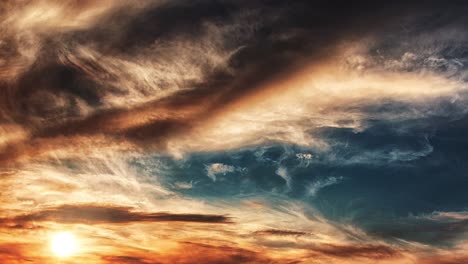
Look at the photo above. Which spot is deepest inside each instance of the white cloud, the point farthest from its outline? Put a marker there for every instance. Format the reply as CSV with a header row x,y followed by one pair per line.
x,y
218,168
313,188
446,216
183,185
283,173
304,158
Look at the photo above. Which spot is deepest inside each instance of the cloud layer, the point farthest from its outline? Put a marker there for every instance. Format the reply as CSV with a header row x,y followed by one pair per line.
x,y
234,131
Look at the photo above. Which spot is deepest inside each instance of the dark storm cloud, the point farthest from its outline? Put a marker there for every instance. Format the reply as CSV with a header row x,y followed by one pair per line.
x,y
98,214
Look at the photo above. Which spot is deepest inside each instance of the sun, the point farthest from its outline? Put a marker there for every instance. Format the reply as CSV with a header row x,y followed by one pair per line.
x,y
63,244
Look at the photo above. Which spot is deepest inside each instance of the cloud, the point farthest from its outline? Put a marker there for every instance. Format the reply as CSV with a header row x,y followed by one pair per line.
x,y
100,214
209,75
283,173
449,216
13,252
444,259
305,158
364,251
314,188
128,259
422,230
279,232
218,168
195,252
184,185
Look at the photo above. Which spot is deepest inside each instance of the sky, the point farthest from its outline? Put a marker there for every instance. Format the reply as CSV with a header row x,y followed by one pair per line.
x,y
232,131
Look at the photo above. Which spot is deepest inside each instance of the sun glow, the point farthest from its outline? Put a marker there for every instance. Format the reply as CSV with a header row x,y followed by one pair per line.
x,y
63,244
